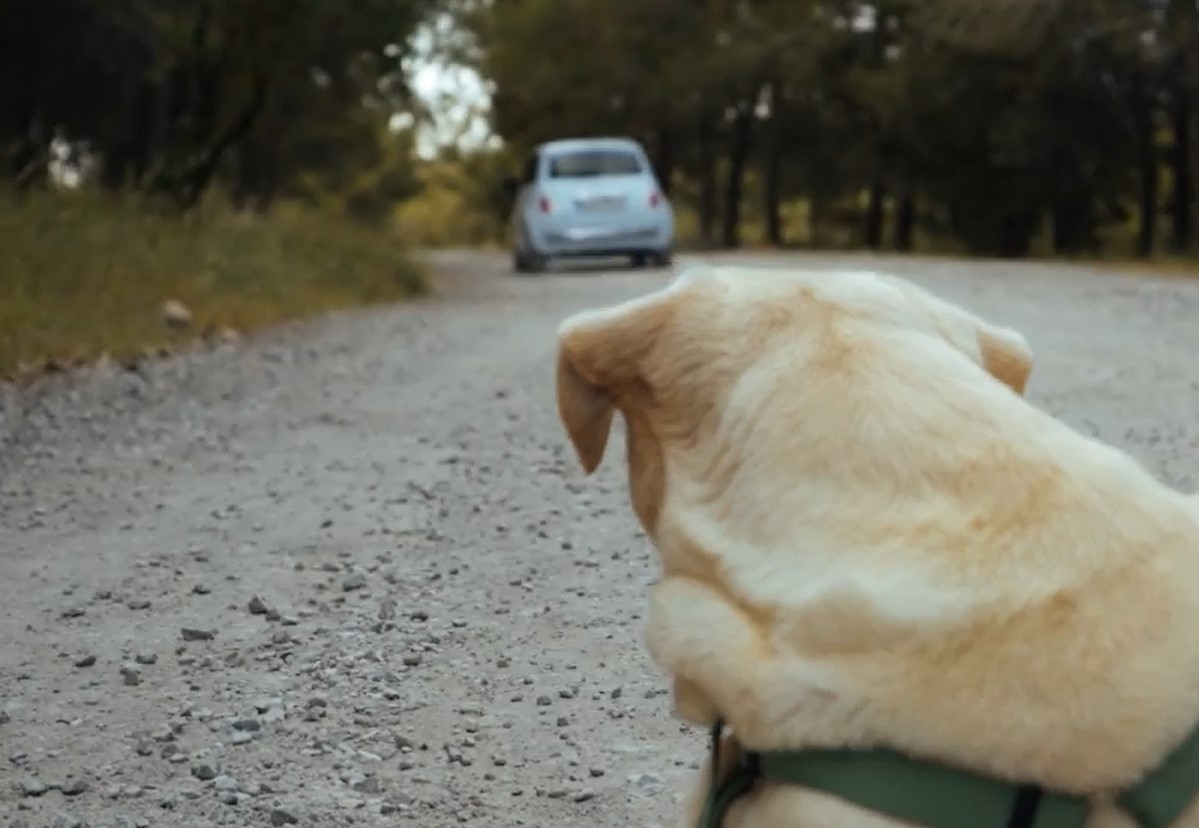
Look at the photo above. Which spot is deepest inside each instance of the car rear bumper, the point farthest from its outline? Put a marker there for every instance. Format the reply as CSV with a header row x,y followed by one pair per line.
x,y
584,240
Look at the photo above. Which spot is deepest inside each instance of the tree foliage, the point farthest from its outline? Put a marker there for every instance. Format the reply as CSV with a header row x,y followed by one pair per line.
x,y
992,123
276,97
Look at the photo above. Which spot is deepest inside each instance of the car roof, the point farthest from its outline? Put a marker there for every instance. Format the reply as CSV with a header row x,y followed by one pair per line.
x,y
597,142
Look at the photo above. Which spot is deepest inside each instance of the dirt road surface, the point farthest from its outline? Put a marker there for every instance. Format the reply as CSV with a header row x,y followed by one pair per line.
x,y
349,574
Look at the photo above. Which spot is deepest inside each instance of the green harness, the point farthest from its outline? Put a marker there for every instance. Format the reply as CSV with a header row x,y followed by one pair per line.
x,y
935,796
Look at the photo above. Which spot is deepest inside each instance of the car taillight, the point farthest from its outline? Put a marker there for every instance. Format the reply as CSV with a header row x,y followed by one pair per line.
x,y
655,199
543,204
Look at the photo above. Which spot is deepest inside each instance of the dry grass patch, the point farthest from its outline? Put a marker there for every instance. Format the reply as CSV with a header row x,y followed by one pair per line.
x,y
83,274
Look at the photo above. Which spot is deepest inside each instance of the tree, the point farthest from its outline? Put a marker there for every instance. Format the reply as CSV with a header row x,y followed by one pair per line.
x,y
174,94
997,126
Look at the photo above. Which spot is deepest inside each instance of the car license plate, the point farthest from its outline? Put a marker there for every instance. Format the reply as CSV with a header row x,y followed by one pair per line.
x,y
602,203
588,233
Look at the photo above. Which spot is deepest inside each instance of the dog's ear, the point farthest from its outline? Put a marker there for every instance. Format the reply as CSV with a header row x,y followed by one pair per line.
x,y
1006,355
601,354
585,410
1003,352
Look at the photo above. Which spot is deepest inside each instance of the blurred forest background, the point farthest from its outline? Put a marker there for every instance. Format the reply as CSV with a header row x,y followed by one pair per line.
x,y
145,139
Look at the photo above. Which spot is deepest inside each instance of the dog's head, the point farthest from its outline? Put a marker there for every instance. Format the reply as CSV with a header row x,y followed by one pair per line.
x,y
721,352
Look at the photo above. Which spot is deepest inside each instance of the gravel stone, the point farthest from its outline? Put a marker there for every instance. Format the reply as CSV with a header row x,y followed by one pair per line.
x,y
283,815
33,787
354,581
74,787
647,783
267,703
205,770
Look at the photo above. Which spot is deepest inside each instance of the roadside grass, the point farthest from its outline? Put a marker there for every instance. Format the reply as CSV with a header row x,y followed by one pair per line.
x,y
84,274
845,238
1162,265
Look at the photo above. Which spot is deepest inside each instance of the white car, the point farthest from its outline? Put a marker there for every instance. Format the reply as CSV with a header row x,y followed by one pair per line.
x,y
590,197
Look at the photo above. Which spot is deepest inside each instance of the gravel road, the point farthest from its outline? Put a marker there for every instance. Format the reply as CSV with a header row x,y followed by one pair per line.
x,y
348,573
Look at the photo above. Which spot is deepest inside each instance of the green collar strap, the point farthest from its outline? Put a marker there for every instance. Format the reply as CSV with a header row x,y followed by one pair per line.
x,y
1160,798
936,796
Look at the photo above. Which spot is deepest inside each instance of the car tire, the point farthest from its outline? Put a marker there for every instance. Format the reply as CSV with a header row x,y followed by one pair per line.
x,y
639,260
664,259
529,260
528,263
535,262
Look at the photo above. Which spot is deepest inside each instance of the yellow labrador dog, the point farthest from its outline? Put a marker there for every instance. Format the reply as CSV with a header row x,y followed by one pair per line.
x,y
892,576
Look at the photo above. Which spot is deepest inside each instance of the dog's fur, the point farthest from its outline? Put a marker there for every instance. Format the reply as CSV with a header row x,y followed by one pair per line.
x,y
869,537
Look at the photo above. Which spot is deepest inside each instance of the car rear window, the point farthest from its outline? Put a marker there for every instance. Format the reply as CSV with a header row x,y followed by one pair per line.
x,y
591,163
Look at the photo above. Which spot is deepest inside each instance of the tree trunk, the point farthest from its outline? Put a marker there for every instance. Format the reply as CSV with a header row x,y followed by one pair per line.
x,y
772,195
817,207
707,182
1070,202
153,127
28,165
875,208
1073,223
255,179
196,178
664,160
772,173
730,233
25,135
1184,186
772,185
245,174
126,159
268,189
1015,234
1147,163
905,222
